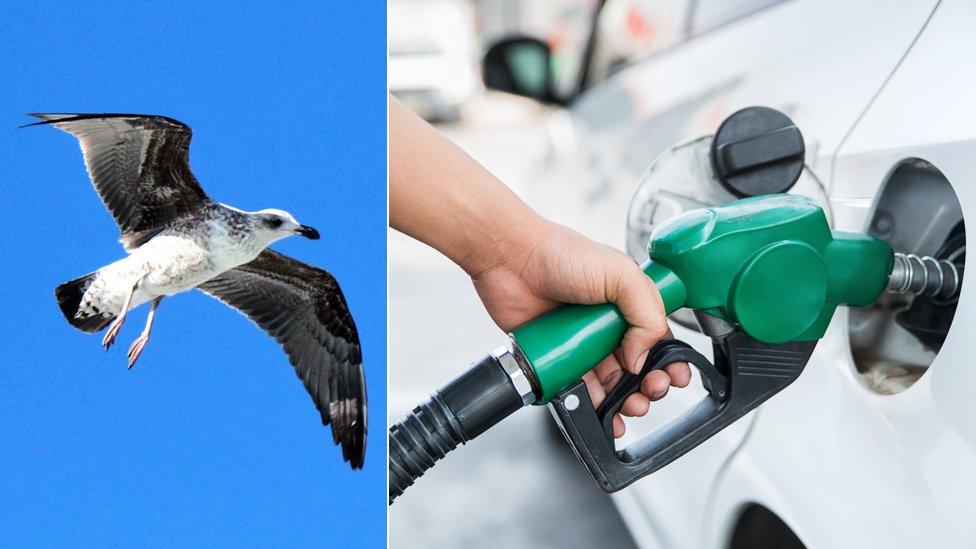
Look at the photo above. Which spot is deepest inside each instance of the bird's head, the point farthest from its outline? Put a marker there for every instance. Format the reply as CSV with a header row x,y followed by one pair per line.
x,y
277,224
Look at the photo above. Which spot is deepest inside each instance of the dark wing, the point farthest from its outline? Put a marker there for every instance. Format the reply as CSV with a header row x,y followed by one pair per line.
x,y
302,307
139,165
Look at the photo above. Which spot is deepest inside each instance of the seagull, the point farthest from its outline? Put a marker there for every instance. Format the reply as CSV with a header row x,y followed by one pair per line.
x,y
178,239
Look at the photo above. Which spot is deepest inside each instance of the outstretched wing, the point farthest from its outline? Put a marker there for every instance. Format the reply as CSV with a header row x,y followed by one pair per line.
x,y
140,166
303,308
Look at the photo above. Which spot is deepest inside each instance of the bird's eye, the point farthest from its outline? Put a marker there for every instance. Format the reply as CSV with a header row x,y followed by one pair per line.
x,y
274,222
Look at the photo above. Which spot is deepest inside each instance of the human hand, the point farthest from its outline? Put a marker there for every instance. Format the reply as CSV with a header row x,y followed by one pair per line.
x,y
556,265
522,265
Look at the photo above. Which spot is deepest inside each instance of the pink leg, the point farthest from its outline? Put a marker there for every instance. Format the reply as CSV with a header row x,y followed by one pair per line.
x,y
113,329
140,343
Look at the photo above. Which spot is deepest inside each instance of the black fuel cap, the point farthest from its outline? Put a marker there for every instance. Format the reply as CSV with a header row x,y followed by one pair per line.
x,y
757,150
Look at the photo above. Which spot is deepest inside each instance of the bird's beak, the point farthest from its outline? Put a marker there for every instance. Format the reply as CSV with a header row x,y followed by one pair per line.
x,y
307,232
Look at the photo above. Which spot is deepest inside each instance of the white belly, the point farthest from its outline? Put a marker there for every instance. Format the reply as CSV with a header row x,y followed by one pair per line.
x,y
172,264
166,265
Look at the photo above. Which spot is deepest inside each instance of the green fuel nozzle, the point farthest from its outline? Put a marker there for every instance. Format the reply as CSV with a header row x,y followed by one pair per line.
x,y
768,268
763,276
769,265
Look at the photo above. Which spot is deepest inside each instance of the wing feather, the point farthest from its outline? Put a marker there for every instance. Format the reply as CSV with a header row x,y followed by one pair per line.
x,y
139,165
303,308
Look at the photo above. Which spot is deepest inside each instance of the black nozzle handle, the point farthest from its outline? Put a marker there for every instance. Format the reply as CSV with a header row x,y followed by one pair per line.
x,y
468,405
746,374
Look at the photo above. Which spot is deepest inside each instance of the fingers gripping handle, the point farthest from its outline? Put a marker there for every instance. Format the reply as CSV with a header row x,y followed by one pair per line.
x,y
747,373
664,353
568,341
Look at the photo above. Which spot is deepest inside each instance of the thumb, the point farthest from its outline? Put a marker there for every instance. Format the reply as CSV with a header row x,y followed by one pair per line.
x,y
640,303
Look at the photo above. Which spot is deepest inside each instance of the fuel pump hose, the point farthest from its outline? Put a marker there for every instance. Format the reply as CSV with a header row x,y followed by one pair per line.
x,y
490,390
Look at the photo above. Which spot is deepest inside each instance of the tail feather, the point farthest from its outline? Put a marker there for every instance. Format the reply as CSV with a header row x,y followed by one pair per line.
x,y
69,297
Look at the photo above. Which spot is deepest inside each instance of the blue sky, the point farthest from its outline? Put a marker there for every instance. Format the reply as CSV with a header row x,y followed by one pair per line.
x,y
211,438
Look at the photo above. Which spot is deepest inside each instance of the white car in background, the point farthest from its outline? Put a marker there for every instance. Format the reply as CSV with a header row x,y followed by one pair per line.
x,y
432,62
875,444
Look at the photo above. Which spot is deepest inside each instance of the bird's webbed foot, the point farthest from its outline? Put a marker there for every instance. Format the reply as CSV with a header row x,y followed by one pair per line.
x,y
136,348
113,330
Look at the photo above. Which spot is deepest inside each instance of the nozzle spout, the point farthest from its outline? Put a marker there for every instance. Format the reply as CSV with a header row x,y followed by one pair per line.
x,y
924,275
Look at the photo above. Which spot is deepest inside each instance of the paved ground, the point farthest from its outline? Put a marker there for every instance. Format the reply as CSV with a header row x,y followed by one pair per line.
x,y
519,484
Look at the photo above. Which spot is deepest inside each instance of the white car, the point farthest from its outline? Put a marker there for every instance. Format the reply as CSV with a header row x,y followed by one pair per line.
x,y
432,61
874,445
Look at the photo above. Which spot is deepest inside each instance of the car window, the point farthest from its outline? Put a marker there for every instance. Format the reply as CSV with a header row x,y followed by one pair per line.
x,y
715,13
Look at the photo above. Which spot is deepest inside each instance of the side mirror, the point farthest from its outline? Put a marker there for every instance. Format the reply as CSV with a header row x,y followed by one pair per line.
x,y
522,66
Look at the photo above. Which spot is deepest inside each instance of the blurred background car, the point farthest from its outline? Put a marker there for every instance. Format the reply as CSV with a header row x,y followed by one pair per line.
x,y
874,445
433,56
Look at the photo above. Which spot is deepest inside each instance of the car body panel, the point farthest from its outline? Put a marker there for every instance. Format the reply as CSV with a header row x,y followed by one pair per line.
x,y
815,74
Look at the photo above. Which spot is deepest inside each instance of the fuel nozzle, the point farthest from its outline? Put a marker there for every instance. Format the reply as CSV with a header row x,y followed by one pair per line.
x,y
768,269
769,266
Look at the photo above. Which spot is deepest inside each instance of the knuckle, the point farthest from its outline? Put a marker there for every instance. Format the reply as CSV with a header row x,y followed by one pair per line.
x,y
659,330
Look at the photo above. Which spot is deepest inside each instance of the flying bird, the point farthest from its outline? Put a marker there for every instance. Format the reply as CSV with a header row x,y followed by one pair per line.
x,y
178,239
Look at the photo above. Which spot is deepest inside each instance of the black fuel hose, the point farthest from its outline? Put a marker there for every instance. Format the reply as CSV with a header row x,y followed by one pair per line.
x,y
465,407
